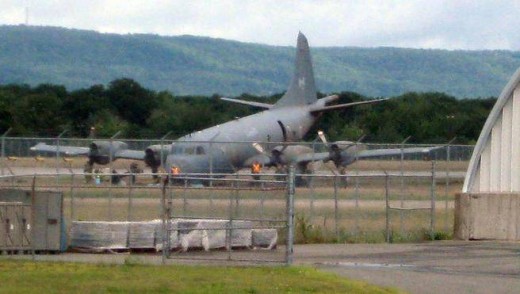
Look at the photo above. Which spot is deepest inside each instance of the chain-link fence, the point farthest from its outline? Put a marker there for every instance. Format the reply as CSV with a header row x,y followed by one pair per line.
x,y
397,198
235,212
244,218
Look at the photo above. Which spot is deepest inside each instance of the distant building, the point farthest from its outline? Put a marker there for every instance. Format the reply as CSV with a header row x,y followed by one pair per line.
x,y
495,163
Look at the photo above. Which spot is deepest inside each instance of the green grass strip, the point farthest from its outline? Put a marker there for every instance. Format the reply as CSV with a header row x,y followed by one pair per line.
x,y
58,277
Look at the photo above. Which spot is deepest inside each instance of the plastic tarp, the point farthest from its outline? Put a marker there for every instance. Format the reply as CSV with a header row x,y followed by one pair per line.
x,y
264,238
184,234
99,234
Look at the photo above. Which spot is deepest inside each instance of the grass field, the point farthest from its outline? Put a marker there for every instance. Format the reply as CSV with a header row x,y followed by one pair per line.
x,y
43,277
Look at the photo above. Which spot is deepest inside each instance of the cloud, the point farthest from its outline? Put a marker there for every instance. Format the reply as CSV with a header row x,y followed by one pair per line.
x,y
456,24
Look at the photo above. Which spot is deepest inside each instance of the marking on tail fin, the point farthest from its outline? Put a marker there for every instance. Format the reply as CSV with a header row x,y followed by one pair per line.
x,y
302,89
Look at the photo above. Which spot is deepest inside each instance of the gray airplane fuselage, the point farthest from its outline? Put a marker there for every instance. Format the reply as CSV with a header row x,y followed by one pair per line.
x,y
225,148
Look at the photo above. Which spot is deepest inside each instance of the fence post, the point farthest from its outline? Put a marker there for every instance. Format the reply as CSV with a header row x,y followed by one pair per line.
x,y
58,156
356,193
229,245
162,148
163,220
33,217
3,149
111,174
387,210
289,250
336,207
401,196
210,150
237,196
72,215
432,197
129,216
448,160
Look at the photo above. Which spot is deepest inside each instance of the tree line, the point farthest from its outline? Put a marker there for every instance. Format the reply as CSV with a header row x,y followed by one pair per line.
x,y
124,105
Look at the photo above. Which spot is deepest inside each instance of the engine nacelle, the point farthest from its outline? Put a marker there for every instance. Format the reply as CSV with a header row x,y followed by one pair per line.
x,y
343,153
152,157
101,152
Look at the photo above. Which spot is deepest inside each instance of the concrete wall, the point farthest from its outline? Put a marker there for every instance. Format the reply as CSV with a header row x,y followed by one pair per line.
x,y
487,216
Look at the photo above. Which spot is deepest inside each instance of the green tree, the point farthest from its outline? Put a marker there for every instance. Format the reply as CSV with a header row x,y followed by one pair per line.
x,y
132,102
82,108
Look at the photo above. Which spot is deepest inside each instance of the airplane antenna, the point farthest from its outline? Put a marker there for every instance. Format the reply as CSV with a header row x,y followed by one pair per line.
x,y
26,15
26,12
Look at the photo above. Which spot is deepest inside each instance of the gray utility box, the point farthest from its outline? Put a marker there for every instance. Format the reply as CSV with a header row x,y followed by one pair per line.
x,y
15,226
45,220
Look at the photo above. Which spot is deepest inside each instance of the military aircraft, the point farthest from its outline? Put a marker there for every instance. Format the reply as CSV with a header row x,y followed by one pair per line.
x,y
286,121
236,144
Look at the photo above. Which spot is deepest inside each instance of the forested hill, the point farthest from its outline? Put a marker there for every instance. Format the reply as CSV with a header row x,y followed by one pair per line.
x,y
188,65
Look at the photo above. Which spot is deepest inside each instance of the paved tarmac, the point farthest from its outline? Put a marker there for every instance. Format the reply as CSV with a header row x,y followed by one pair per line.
x,y
432,267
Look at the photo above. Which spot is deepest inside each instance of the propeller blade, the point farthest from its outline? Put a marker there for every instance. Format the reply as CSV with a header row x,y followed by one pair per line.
x,y
321,135
259,148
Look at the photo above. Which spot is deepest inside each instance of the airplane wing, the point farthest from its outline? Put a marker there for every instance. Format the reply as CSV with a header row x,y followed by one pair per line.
x,y
64,150
250,103
325,156
345,105
394,151
311,157
130,154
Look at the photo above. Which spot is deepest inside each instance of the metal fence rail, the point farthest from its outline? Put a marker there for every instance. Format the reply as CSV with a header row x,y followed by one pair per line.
x,y
325,207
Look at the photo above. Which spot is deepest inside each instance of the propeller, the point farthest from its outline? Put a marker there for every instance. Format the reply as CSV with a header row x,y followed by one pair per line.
x,y
340,156
276,156
334,150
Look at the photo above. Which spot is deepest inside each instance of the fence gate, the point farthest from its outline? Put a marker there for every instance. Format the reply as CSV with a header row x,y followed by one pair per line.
x,y
233,218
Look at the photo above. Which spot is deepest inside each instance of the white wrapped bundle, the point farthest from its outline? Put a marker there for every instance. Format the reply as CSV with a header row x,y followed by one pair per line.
x,y
213,233
241,233
99,235
189,236
265,238
141,235
174,236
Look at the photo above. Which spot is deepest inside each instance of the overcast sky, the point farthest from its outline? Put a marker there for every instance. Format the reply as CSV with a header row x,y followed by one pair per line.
x,y
446,24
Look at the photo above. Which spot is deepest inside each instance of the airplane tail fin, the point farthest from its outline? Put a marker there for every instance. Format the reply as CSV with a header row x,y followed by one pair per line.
x,y
302,89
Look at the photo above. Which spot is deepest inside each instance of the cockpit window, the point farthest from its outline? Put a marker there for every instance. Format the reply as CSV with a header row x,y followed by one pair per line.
x,y
199,150
196,150
175,150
